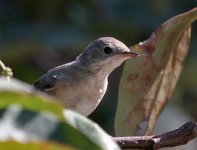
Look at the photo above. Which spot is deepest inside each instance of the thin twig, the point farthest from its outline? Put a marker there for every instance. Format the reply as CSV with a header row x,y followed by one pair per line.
x,y
6,71
2,65
176,137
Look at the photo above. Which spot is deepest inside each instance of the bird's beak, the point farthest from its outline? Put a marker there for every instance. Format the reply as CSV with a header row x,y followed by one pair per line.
x,y
130,54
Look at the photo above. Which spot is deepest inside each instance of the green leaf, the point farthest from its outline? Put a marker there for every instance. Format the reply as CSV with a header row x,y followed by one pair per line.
x,y
28,116
13,145
90,129
16,91
31,102
22,125
148,82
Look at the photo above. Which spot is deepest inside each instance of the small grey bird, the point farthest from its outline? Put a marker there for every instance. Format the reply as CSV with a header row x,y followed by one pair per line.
x,y
81,84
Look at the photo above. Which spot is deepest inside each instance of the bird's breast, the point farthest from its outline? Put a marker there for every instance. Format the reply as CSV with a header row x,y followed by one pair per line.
x,y
83,96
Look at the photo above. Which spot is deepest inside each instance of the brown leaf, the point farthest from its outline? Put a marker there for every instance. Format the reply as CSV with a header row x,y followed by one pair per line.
x,y
167,84
148,82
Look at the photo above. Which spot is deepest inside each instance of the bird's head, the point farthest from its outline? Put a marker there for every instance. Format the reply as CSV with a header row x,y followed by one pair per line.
x,y
105,53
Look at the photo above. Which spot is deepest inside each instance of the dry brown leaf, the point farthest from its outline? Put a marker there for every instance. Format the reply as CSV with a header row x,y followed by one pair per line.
x,y
148,82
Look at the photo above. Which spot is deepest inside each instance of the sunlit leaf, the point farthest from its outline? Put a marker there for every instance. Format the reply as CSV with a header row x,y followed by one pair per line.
x,y
28,116
91,130
147,82
22,125
16,91
13,145
168,81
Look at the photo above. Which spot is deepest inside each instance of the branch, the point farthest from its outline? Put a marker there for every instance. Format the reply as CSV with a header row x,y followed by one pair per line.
x,y
179,136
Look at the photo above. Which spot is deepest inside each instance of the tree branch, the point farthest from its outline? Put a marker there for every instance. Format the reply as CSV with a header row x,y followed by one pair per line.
x,y
176,137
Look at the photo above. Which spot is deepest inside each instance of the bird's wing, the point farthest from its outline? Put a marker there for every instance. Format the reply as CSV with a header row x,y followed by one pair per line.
x,y
63,74
46,82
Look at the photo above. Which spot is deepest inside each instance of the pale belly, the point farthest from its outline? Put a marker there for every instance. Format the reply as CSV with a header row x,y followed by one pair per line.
x,y
83,97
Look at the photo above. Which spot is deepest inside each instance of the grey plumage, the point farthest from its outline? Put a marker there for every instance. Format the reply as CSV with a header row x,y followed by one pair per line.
x,y
81,84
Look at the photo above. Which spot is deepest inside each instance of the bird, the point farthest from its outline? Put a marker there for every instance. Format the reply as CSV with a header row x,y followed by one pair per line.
x,y
81,84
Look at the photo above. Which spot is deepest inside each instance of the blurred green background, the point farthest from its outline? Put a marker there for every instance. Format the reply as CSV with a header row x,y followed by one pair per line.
x,y
36,35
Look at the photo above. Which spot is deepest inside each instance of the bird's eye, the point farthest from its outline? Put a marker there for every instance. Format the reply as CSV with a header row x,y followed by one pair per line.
x,y
108,50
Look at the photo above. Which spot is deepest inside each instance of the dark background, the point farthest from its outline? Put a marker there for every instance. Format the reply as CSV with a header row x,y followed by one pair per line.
x,y
36,35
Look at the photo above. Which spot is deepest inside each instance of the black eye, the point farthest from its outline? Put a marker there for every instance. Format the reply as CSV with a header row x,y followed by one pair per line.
x,y
108,50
